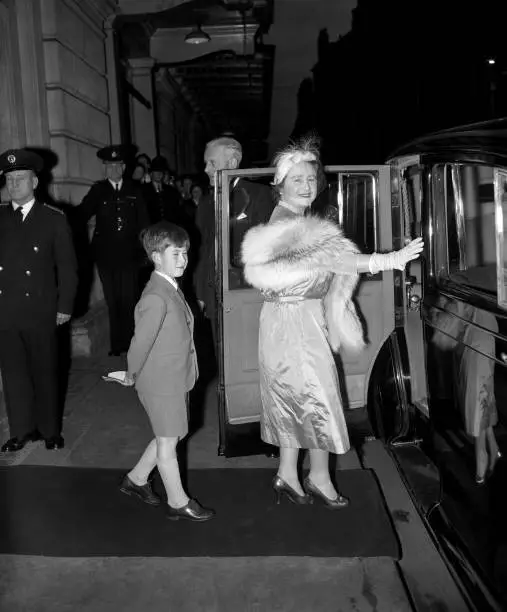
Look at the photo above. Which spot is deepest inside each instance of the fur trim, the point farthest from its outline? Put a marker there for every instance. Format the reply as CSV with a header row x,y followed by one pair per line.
x,y
281,255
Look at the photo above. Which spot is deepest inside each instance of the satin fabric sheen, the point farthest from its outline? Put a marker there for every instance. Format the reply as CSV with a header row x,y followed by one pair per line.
x,y
301,400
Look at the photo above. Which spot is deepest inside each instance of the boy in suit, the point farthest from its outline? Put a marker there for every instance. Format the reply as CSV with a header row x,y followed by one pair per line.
x,y
163,366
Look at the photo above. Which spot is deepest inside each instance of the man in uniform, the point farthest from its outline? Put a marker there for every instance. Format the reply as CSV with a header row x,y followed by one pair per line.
x,y
120,215
250,203
38,282
163,201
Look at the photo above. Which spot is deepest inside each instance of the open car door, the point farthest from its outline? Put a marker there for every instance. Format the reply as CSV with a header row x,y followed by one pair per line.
x,y
356,195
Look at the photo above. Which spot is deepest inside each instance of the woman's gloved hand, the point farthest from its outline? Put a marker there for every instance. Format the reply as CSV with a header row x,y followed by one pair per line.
x,y
396,260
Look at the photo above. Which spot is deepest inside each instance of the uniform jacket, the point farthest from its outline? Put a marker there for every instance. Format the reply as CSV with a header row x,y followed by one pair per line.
x,y
119,218
250,204
291,252
164,205
162,357
38,270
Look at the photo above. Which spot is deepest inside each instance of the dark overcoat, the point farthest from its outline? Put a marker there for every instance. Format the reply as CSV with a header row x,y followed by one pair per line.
x,y
38,270
119,218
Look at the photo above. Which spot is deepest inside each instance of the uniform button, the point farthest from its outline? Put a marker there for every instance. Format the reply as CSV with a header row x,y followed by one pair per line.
x,y
36,249
1,268
28,273
27,294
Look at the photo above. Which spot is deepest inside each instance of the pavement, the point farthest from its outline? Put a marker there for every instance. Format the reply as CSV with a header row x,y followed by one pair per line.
x,y
105,426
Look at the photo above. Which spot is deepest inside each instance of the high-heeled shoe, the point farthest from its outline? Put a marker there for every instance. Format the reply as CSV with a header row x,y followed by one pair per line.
x,y
340,502
282,488
494,461
480,480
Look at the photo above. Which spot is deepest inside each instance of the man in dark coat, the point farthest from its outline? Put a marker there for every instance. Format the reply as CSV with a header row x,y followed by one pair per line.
x,y
250,203
38,282
163,201
120,214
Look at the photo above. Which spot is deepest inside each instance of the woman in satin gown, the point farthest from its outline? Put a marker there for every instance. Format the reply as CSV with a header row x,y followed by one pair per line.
x,y
307,271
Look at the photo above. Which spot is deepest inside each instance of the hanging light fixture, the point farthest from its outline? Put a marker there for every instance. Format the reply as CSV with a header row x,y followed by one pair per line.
x,y
197,36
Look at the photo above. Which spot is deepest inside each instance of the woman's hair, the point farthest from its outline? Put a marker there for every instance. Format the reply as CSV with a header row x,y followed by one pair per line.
x,y
304,150
156,238
146,158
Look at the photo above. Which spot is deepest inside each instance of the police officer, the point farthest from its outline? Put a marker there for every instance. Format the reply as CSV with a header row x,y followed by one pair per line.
x,y
163,201
38,282
120,214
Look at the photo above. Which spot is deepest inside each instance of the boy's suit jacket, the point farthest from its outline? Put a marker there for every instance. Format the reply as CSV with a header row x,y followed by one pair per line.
x,y
162,355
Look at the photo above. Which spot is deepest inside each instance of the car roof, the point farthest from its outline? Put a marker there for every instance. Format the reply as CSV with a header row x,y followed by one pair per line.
x,y
487,139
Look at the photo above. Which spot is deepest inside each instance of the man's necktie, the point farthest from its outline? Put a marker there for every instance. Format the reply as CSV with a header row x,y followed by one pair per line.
x,y
18,213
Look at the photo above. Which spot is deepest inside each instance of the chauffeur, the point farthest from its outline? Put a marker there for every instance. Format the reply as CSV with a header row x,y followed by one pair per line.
x,y
120,214
38,281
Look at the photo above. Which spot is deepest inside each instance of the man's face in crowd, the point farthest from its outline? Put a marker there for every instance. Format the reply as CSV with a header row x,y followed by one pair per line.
x,y
157,176
196,193
21,185
217,158
144,162
138,173
114,171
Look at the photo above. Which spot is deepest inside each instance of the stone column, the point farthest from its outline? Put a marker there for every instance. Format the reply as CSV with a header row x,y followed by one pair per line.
x,y
143,119
32,73
112,79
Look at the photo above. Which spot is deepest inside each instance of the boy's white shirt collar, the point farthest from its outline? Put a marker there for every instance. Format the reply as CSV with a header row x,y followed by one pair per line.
x,y
168,278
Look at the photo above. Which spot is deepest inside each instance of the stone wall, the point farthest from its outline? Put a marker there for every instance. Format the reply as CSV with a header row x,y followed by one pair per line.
x,y
77,95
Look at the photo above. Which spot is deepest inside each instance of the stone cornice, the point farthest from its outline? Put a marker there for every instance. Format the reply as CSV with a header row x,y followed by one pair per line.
x,y
135,7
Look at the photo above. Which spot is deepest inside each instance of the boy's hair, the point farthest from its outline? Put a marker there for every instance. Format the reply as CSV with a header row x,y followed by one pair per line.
x,y
156,238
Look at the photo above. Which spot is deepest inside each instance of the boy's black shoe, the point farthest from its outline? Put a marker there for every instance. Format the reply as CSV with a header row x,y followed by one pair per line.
x,y
143,492
193,511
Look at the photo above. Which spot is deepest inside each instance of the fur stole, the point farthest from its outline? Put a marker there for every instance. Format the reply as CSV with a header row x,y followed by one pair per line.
x,y
283,254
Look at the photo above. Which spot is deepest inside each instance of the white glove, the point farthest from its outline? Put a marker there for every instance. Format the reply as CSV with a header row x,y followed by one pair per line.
x,y
396,260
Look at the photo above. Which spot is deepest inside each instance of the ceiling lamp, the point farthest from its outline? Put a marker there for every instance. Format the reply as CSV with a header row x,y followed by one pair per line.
x,y
197,36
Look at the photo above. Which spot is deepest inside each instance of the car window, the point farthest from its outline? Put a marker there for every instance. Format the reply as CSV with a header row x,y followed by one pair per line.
x,y
471,235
